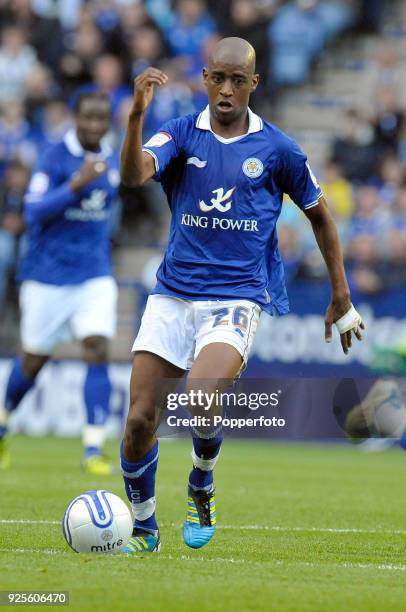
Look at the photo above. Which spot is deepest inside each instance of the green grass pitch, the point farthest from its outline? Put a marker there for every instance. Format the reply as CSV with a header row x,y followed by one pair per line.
x,y
301,527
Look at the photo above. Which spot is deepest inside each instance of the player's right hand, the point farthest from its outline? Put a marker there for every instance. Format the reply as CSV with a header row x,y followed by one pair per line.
x,y
89,171
347,320
144,88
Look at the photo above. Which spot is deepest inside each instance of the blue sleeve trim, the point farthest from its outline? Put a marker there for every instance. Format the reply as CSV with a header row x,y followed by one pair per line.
x,y
312,204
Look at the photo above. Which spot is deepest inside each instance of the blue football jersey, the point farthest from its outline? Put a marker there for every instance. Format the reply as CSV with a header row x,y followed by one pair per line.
x,y
69,233
225,196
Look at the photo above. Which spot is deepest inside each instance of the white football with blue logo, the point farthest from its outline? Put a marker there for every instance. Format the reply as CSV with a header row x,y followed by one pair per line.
x,y
97,522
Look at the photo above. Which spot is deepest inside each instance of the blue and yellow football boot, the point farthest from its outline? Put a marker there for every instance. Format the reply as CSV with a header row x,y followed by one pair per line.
x,y
200,524
98,465
142,541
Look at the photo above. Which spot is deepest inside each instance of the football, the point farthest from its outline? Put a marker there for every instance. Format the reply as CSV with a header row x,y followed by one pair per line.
x,y
97,522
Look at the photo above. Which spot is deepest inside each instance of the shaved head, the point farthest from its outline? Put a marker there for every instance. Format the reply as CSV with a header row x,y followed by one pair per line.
x,y
233,51
230,80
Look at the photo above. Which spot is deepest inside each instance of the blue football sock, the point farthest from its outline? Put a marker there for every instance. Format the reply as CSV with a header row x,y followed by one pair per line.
x,y
139,481
97,391
18,385
204,454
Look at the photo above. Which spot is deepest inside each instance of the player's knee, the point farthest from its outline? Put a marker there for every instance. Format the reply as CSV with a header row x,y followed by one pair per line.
x,y
140,428
95,349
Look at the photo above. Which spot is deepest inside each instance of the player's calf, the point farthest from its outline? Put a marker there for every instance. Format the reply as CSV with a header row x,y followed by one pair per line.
x,y
97,393
21,379
139,482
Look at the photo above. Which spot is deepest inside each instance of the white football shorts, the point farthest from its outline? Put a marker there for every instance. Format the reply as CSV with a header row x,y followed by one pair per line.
x,y
177,329
51,314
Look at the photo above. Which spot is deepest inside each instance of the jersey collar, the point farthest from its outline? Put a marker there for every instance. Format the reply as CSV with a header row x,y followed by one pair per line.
x,y
74,147
255,124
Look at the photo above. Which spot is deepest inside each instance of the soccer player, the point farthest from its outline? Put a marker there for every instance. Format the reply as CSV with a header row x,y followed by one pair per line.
x,y
224,171
67,288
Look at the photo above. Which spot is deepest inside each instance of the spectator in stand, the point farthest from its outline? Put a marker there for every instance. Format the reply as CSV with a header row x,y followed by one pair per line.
x,y
147,48
392,175
17,59
17,139
355,148
399,211
388,120
42,21
161,12
290,250
17,11
77,61
336,16
370,15
377,266
384,71
11,221
363,256
106,15
65,12
297,36
57,121
107,77
395,264
338,192
247,22
265,9
192,27
372,216
299,32
134,16
40,89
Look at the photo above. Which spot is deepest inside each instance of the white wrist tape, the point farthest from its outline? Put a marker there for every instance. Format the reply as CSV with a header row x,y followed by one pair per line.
x,y
351,320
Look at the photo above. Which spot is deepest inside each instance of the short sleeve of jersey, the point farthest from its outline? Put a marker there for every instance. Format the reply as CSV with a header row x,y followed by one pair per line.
x,y
164,146
296,178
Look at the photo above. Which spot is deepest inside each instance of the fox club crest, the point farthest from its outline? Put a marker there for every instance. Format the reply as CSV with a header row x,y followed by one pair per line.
x,y
253,167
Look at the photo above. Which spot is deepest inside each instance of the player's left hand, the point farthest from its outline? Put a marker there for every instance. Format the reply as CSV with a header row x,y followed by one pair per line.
x,y
347,320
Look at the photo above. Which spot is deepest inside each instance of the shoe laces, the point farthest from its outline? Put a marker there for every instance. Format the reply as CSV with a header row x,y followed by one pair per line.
x,y
202,501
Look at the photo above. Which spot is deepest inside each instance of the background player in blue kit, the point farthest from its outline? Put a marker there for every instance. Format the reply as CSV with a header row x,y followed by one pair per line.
x,y
67,286
224,172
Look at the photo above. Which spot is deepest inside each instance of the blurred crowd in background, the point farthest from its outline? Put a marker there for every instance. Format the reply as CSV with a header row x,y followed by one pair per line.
x,y
51,50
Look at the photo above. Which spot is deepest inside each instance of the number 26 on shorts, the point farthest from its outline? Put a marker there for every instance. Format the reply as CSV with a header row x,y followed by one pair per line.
x,y
238,317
